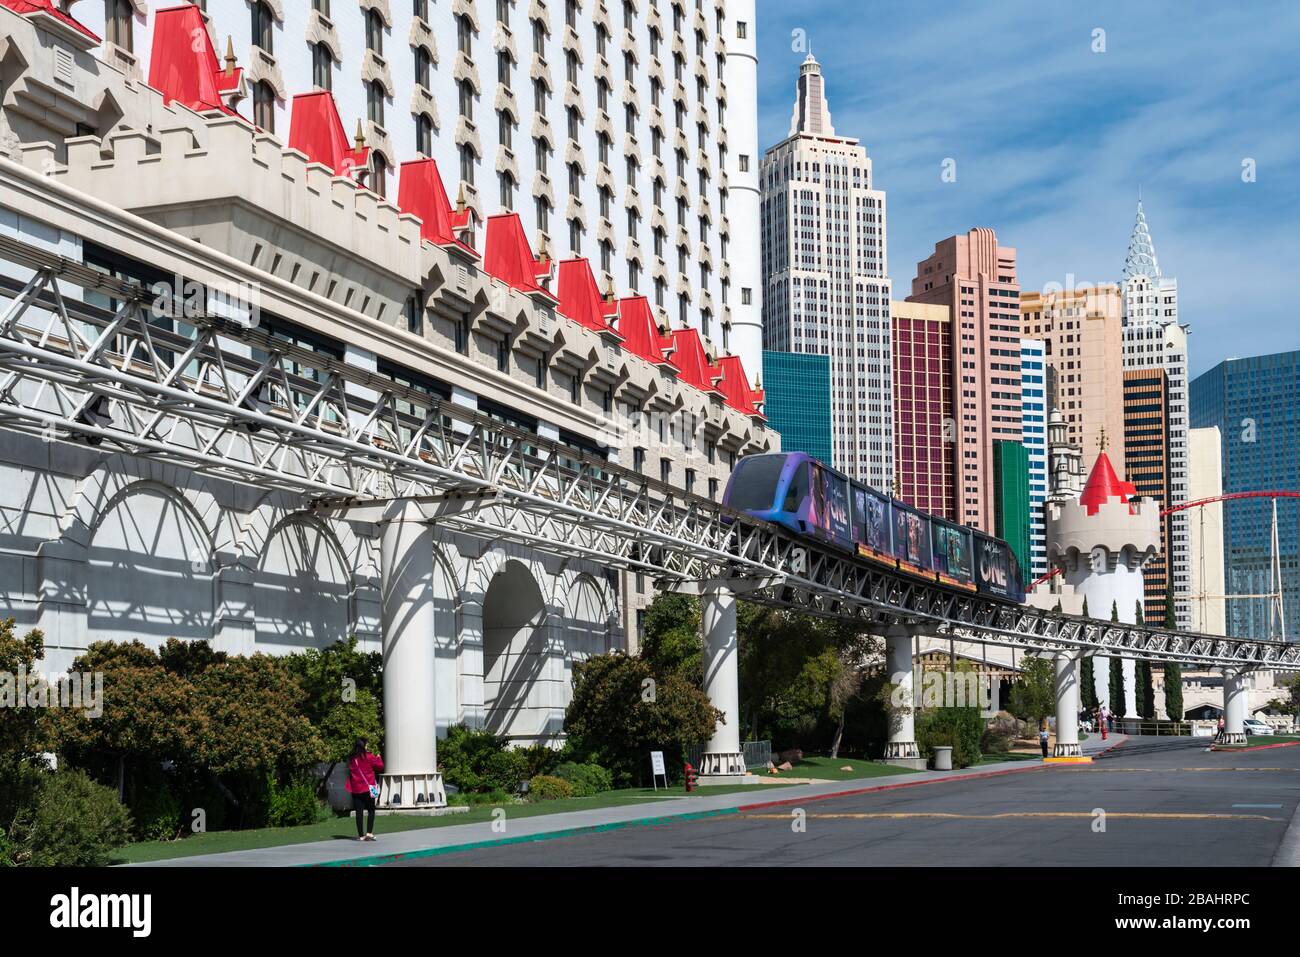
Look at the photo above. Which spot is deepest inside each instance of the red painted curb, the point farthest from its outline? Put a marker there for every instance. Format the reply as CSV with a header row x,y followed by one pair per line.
x,y
889,787
1257,747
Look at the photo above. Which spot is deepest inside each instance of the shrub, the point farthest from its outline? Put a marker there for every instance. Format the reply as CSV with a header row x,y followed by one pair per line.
x,y
587,779
999,734
155,809
959,728
545,787
72,822
505,771
463,756
293,804
541,758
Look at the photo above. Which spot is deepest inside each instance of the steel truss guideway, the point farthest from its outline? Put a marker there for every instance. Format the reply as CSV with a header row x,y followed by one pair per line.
x,y
230,401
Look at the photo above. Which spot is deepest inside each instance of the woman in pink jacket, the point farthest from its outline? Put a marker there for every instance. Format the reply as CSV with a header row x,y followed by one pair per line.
x,y
363,785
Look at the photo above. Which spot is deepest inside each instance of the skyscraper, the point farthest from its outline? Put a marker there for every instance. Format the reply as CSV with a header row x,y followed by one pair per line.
x,y
1011,499
1082,331
1146,452
826,283
976,279
1033,392
924,424
1153,338
797,388
1205,532
1253,403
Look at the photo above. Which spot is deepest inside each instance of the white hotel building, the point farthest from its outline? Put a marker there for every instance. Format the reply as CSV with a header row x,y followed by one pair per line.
x,y
602,268
826,277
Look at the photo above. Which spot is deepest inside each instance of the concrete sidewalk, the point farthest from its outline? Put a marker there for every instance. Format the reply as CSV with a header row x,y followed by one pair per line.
x,y
435,840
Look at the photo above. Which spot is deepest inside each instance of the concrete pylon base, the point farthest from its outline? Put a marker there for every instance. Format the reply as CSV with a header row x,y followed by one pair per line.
x,y
1066,750
728,763
1231,737
411,791
912,764
901,749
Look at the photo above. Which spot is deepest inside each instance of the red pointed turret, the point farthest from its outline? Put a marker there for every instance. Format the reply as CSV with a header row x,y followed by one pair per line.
x,y
1103,485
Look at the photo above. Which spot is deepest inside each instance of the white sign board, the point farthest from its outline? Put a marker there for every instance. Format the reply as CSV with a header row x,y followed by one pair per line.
x,y
657,768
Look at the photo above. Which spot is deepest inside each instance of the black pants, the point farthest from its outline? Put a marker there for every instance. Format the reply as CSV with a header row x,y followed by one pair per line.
x,y
364,802
1043,742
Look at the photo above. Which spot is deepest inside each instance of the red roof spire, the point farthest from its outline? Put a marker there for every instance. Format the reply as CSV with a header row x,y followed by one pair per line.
x,y
316,130
580,298
1103,485
420,192
183,63
508,257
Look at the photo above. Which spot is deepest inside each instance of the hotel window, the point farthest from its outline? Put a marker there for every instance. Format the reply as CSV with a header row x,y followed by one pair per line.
x,y
465,93
539,39
320,6
322,66
420,8
507,183
571,13
543,155
467,165
543,214
638,459
503,11
375,32
263,25
503,68
633,275
572,114
606,255
264,106
414,321
571,67
605,199
462,336
503,355
423,66
744,162
505,129
602,95
575,179
375,102
575,237
575,389
602,38
464,34
654,41
424,134
378,174
540,94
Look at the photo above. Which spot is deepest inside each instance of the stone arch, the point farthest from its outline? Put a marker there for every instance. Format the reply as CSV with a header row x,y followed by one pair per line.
x,y
518,670
447,630
586,617
150,571
302,577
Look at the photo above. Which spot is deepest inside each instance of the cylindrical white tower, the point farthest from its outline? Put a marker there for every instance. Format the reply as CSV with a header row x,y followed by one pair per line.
x,y
744,259
1100,541
723,757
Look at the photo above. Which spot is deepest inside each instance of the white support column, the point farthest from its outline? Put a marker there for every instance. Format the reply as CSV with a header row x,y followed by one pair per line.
x,y
411,777
902,729
1234,706
1130,703
723,759
1067,705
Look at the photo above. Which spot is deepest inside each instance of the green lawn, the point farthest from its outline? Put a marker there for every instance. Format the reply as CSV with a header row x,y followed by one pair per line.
x,y
1270,738
828,769
218,842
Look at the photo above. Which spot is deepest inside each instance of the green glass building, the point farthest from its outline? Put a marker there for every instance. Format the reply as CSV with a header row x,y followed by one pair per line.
x,y
798,401
1011,503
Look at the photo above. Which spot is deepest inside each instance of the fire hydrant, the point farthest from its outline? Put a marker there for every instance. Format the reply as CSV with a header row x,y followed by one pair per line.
x,y
690,777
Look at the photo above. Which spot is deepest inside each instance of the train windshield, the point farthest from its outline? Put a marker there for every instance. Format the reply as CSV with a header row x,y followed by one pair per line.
x,y
753,485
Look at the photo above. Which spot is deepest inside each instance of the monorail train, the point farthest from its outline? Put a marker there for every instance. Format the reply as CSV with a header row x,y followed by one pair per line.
x,y
799,493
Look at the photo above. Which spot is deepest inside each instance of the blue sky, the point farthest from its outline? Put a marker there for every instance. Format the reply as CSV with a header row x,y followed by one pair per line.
x,y
1052,140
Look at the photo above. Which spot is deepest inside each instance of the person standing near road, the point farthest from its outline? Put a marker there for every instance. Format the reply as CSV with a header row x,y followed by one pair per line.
x,y
363,785
1042,736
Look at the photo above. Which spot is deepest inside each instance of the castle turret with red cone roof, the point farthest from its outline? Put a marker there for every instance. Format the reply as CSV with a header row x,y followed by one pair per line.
x,y
1099,542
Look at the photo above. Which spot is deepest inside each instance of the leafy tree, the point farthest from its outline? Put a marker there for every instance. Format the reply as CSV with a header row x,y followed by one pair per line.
x,y
71,821
1033,693
617,717
673,642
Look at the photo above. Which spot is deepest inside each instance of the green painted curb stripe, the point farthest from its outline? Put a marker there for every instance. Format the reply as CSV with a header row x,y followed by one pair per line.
x,y
525,838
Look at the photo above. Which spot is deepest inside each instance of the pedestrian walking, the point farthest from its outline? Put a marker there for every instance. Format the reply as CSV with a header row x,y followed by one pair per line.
x,y
363,785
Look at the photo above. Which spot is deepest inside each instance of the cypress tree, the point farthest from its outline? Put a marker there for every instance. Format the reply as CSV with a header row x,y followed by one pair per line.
x,y
1088,685
1173,670
1146,689
1116,673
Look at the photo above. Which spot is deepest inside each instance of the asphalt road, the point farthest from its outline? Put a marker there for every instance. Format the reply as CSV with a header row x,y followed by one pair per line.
x,y
1176,806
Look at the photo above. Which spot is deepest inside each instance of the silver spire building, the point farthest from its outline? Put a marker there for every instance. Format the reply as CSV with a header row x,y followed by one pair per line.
x,y
825,275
